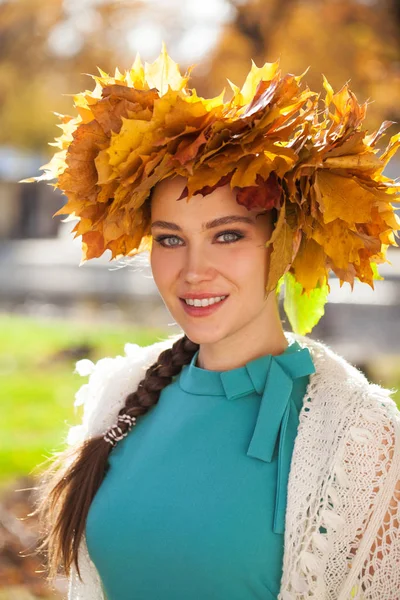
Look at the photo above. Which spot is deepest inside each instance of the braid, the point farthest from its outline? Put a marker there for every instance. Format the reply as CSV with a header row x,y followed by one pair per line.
x,y
157,377
147,394
68,486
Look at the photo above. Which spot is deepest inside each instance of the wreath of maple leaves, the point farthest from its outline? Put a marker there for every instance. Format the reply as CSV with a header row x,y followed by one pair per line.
x,y
270,142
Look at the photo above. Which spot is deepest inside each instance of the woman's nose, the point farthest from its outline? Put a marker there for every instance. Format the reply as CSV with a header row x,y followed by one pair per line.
x,y
197,265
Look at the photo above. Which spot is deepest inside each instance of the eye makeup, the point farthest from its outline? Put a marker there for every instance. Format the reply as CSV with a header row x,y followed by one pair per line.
x,y
161,238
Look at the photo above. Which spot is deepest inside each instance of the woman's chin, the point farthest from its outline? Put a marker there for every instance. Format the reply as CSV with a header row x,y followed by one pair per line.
x,y
201,333
200,329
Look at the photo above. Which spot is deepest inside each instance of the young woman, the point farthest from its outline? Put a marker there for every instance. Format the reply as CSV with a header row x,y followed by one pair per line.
x,y
236,460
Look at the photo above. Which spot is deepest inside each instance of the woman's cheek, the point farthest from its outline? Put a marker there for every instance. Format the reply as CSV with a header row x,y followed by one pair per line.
x,y
165,269
156,263
239,262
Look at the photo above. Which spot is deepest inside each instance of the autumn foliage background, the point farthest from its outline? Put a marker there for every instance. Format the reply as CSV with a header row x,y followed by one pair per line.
x,y
47,46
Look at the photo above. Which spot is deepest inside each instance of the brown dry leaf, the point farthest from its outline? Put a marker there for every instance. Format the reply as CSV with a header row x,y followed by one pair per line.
x,y
265,194
309,266
366,161
339,242
248,167
285,243
342,197
281,257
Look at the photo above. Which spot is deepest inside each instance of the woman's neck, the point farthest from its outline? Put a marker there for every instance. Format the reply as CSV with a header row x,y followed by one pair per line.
x,y
230,353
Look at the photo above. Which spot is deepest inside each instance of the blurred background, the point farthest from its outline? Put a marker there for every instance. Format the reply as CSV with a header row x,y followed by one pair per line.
x,y
53,312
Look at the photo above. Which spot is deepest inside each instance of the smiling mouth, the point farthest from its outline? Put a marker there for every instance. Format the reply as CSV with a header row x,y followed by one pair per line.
x,y
202,311
204,302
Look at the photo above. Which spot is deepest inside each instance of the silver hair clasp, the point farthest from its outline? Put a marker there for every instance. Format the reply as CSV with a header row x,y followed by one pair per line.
x,y
114,434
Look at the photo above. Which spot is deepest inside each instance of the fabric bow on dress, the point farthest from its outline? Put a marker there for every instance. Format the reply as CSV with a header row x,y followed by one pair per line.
x,y
271,377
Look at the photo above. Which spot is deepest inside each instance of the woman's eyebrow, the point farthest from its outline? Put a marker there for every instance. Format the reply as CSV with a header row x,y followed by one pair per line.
x,y
208,225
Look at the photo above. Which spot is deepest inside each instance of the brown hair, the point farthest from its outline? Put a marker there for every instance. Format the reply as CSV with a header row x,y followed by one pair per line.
x,y
67,488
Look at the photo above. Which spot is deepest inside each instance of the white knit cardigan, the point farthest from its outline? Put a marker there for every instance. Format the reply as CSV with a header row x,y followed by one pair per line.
x,y
342,538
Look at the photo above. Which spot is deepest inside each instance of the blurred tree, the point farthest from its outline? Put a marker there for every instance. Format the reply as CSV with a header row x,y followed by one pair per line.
x,y
355,40
47,45
44,51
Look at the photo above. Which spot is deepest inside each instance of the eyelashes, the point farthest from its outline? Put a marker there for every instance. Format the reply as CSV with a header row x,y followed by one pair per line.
x,y
161,239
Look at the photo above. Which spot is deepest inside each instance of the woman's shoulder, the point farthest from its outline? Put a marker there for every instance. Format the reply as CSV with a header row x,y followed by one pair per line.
x,y
338,386
110,380
345,475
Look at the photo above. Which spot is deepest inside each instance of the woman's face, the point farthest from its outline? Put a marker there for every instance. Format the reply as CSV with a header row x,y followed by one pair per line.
x,y
194,255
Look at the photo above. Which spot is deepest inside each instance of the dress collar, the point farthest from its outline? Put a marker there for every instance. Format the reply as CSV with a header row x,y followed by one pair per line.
x,y
272,377
237,382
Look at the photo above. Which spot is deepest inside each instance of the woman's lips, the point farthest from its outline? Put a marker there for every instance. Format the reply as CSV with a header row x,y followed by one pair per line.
x,y
202,311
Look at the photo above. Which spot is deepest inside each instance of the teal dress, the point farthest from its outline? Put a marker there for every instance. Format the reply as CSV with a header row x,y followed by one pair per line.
x,y
193,504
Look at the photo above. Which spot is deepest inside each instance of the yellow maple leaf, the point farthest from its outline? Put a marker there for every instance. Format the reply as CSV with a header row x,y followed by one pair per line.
x,y
309,266
342,197
164,73
339,242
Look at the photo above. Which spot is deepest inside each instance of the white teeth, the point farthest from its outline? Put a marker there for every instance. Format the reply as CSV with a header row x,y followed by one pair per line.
x,y
204,301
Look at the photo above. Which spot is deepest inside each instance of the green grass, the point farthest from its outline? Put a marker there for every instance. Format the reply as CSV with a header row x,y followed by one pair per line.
x,y
37,388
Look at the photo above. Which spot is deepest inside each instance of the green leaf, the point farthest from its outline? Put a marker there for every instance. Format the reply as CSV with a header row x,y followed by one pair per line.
x,y
303,311
375,271
279,285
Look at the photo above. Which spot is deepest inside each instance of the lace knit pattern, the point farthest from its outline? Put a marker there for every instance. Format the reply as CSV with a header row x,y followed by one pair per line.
x,y
342,539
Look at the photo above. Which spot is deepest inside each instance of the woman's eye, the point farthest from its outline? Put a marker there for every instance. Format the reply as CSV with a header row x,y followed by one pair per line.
x,y
165,238
169,241
234,236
